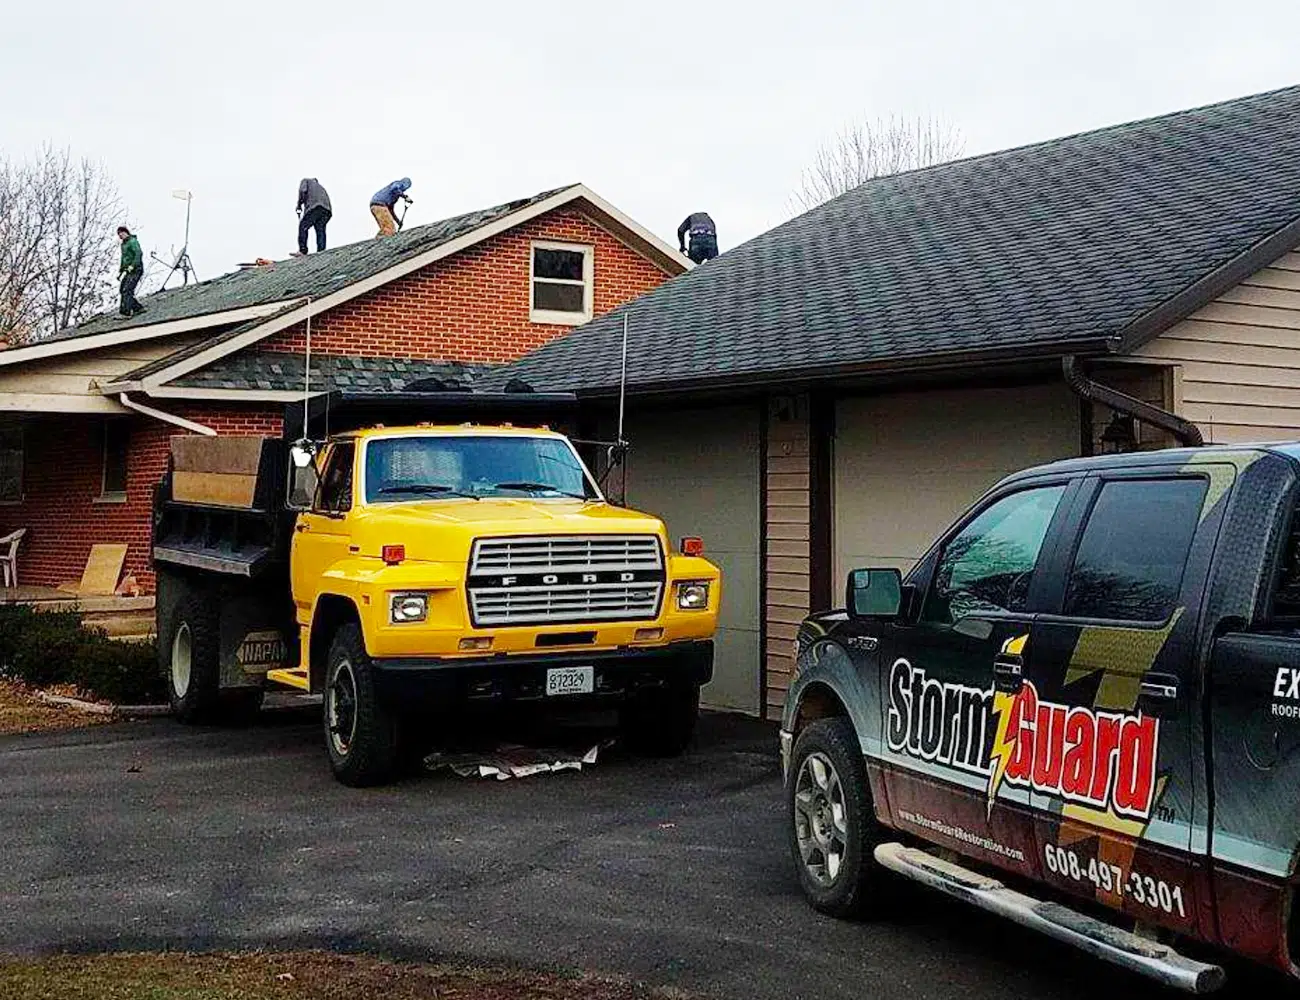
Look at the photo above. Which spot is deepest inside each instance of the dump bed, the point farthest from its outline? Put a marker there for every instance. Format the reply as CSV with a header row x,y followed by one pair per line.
x,y
221,506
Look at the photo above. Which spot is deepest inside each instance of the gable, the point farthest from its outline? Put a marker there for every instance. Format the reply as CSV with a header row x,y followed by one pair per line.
x,y
1238,358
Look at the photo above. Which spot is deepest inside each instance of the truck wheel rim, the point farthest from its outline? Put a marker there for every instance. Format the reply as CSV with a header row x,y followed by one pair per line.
x,y
342,708
182,655
820,818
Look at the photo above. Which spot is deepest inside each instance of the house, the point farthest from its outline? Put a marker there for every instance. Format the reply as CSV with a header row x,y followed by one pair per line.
x,y
86,416
834,392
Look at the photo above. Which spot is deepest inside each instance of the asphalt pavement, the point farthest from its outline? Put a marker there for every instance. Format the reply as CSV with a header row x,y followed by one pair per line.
x,y
150,835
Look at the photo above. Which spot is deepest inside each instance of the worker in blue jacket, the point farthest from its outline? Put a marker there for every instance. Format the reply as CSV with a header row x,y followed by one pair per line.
x,y
384,201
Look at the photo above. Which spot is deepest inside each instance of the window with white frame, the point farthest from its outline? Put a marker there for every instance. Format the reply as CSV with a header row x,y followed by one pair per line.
x,y
116,439
11,463
561,283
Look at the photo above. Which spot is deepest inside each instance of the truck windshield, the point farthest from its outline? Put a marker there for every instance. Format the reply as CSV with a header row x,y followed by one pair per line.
x,y
431,467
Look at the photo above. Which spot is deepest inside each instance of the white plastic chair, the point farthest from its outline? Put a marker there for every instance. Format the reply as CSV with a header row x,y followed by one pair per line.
x,y
9,556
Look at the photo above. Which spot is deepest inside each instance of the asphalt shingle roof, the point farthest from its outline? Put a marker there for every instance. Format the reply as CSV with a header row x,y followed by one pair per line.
x,y
279,371
1050,246
315,275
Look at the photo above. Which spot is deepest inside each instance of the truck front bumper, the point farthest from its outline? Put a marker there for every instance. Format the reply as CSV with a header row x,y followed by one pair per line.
x,y
425,682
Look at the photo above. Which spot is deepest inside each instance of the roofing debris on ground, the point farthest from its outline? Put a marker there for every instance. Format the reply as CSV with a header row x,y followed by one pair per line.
x,y
293,976
512,761
22,711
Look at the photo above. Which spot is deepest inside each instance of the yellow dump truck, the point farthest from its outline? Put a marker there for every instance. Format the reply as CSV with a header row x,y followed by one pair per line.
x,y
405,573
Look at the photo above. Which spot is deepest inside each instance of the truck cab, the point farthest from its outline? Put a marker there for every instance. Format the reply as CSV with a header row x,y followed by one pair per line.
x,y
1089,683
435,570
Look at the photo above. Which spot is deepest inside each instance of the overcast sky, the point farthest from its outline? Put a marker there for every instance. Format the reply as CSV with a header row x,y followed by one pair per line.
x,y
661,108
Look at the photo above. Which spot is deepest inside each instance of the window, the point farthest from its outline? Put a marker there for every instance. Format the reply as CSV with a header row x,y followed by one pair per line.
x,y
989,565
113,483
430,467
334,494
11,463
561,283
1130,561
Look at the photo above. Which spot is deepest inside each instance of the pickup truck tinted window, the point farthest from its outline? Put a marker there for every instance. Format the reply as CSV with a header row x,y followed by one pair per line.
x,y
335,492
990,563
1129,565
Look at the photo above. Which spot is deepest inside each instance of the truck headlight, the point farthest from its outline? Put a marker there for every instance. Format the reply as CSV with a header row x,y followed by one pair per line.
x,y
693,595
403,608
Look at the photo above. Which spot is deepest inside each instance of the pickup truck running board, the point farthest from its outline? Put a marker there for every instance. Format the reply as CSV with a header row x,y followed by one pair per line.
x,y
294,677
1093,936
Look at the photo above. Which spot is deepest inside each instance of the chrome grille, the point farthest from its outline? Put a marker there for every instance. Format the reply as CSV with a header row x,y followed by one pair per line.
x,y
565,579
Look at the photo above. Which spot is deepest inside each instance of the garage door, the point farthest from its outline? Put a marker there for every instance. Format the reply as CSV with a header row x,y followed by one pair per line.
x,y
906,465
699,471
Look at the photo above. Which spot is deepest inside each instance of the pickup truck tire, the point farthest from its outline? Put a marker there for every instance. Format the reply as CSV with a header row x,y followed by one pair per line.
x,y
831,823
193,659
361,736
660,722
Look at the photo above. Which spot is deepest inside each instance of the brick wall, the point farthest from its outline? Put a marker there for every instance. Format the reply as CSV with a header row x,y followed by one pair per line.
x,y
62,479
473,306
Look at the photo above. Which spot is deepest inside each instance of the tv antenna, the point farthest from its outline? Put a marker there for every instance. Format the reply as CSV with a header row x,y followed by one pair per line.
x,y
182,262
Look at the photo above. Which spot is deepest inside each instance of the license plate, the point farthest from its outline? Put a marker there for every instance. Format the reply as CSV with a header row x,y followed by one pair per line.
x,y
570,680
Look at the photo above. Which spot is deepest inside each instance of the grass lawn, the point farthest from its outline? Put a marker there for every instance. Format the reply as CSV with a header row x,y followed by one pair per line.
x,y
21,712
311,975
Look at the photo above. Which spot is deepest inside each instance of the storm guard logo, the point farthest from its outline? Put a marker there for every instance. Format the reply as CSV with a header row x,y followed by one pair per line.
x,y
1105,760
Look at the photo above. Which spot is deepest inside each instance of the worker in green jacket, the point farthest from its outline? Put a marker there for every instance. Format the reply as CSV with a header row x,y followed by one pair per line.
x,y
130,273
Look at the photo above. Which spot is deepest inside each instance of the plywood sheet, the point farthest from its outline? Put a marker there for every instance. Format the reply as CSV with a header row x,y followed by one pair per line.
x,y
200,453
103,567
223,489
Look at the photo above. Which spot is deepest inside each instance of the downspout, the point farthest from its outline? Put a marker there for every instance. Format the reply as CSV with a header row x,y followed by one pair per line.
x,y
1185,431
167,418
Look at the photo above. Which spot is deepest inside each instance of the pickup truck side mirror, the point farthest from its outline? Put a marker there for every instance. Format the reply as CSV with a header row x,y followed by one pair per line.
x,y
874,593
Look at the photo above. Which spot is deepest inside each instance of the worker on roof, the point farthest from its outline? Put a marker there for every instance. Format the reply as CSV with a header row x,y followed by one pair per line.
x,y
130,272
704,237
384,201
313,213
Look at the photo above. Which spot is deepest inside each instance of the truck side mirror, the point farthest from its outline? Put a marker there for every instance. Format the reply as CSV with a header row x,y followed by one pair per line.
x,y
303,475
874,593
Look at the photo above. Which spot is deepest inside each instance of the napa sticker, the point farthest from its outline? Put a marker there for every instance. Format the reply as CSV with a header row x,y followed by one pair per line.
x,y
1102,760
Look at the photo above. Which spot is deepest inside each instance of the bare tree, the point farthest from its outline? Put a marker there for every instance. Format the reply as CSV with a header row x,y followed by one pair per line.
x,y
57,243
876,148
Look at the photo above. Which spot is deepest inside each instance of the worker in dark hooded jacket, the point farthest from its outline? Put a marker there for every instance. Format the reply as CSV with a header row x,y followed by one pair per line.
x,y
704,237
314,212
129,273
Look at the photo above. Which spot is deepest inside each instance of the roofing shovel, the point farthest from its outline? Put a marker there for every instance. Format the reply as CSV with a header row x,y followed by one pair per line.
x,y
405,208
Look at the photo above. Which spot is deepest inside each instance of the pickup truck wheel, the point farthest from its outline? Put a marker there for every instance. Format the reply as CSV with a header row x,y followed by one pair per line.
x,y
194,667
831,822
660,722
360,735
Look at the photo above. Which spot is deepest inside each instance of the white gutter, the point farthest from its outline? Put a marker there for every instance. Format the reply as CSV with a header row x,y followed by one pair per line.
x,y
167,418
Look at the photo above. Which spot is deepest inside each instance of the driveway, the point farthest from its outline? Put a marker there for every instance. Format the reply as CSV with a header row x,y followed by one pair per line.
x,y
148,835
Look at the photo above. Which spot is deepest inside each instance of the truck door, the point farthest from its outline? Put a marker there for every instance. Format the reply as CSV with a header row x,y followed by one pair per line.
x,y
1108,725
321,535
944,674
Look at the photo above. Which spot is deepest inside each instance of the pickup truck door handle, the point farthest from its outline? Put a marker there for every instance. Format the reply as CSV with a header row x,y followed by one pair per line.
x,y
1159,687
1008,669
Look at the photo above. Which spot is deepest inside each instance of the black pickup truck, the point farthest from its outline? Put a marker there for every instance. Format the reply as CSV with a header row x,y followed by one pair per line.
x,y
1090,687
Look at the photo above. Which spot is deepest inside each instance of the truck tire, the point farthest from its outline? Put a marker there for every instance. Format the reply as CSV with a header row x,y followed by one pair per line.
x,y
193,659
831,823
661,722
361,736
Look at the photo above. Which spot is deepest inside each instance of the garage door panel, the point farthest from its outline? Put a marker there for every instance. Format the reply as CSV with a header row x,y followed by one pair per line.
x,y
907,465
699,471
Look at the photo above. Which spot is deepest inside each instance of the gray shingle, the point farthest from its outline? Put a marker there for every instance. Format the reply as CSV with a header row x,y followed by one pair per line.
x,y
1050,246
273,370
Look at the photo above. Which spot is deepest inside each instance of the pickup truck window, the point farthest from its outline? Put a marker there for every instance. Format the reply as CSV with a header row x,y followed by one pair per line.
x,y
1129,565
429,467
990,563
335,491
1286,597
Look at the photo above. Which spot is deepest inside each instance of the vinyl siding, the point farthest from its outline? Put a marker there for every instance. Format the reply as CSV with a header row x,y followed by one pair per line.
x,y
1240,358
77,374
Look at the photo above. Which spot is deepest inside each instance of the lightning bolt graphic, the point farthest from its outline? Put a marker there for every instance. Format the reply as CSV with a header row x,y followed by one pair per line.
x,y
1004,744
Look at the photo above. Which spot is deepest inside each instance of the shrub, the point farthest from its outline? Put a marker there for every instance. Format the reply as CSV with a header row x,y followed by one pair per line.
x,y
54,647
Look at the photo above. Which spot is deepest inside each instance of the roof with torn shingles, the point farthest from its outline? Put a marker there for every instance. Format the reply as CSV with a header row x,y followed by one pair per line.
x,y
1049,247
283,372
314,275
